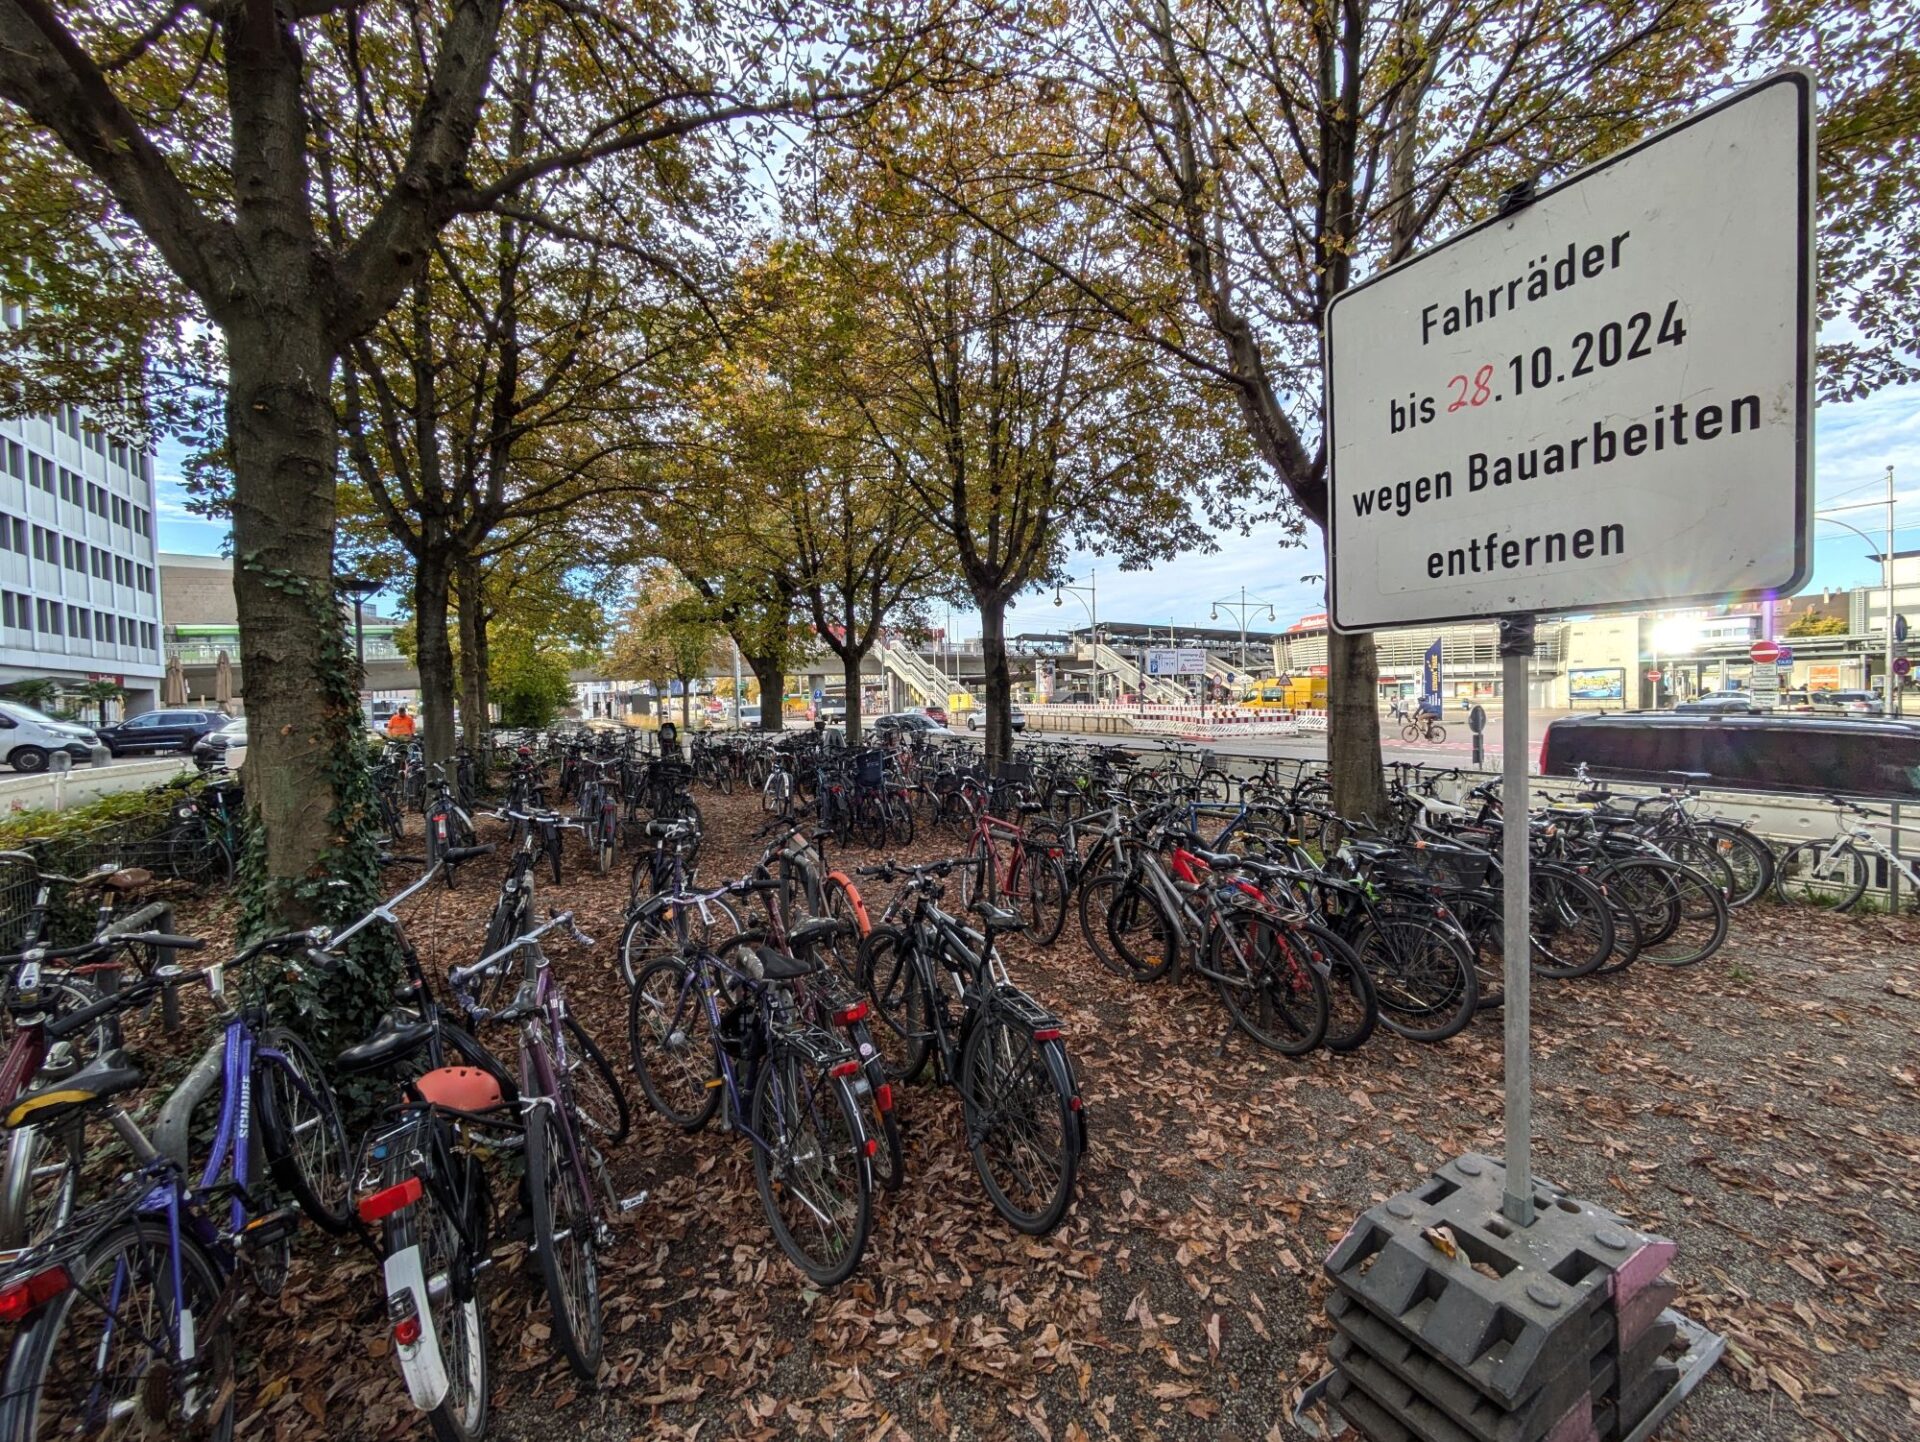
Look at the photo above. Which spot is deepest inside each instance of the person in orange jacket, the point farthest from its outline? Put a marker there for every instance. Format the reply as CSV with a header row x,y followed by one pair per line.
x,y
400,725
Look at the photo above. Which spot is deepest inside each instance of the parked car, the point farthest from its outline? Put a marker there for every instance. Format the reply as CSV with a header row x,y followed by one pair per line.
x,y
1850,703
30,738
1724,702
935,714
166,730
216,748
831,710
1822,755
977,718
910,723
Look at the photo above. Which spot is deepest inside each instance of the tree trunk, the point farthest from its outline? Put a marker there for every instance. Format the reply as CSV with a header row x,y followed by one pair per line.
x,y
433,651
686,705
999,678
771,673
303,702
850,674
1353,728
483,671
473,691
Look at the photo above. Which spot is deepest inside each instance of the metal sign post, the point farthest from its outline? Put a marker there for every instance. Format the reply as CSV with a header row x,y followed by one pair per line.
x,y
1516,942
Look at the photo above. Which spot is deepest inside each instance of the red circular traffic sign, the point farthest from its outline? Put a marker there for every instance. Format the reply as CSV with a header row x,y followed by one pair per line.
x,y
1764,652
1653,675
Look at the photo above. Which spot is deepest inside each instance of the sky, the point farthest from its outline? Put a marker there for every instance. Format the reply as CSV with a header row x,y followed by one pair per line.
x,y
1853,446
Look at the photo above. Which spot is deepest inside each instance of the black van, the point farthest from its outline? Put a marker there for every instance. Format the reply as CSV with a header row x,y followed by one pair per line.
x,y
1863,756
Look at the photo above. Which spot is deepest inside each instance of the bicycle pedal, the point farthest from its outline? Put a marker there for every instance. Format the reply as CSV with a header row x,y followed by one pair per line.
x,y
632,1203
274,1227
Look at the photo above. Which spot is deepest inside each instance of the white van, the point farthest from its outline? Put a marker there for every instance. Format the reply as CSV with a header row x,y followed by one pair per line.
x,y
29,738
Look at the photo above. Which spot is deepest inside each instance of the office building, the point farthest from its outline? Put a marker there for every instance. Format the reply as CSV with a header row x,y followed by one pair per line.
x,y
79,592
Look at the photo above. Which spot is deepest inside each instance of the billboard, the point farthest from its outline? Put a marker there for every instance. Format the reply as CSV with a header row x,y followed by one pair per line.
x,y
1597,683
1177,661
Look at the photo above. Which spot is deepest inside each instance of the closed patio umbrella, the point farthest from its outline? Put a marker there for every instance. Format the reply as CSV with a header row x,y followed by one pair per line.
x,y
223,680
176,684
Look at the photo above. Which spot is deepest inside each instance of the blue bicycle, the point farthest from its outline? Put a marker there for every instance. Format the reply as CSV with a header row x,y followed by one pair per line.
x,y
124,1310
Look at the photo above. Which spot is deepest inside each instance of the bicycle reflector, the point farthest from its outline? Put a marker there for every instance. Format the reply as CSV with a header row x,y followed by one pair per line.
x,y
844,1069
388,1200
21,1297
1047,1033
848,1015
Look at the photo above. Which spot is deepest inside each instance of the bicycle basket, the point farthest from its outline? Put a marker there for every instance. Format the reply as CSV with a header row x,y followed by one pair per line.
x,y
870,768
1452,868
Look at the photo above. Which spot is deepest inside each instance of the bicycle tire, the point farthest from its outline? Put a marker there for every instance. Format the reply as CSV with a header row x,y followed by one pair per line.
x,y
564,1246
1214,785
1353,1008
650,935
1045,903
1570,924
43,1165
1144,937
1748,857
823,1110
670,1038
1423,975
305,1140
1684,916
459,1323
1806,876
1269,988
31,1408
596,1094
1032,1080
890,974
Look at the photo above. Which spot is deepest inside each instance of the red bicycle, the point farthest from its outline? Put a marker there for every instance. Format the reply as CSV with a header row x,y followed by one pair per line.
x,y
1006,866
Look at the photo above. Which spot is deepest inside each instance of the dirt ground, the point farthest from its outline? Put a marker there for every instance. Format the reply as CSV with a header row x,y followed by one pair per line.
x,y
1763,1109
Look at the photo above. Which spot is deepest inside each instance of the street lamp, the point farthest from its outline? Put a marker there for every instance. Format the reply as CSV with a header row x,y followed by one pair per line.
x,y
359,587
1890,698
1242,608
1089,598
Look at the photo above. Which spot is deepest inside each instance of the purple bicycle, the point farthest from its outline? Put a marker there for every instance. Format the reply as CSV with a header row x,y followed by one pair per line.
x,y
125,1309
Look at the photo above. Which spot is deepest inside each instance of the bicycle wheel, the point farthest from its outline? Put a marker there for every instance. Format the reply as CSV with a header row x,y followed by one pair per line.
x,y
598,1099
1701,854
1144,938
1022,1126
1267,982
1748,858
564,1242
1214,785
306,1143
671,1039
1423,974
1410,732
1353,1010
1045,902
1436,733
1819,873
978,872
890,974
899,821
813,1175
664,933
79,1368
1683,915
42,1181
1570,926
1097,892
454,1299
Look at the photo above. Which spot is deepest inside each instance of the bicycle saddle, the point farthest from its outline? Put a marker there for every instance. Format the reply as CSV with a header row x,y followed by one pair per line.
x,y
997,918
776,967
108,1074
131,878
809,933
394,1041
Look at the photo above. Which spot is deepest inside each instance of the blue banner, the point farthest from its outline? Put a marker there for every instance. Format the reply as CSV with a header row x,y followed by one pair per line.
x,y
1432,674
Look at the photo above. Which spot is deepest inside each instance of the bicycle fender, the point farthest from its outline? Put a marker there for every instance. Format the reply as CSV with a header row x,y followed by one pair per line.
x,y
420,1362
170,1128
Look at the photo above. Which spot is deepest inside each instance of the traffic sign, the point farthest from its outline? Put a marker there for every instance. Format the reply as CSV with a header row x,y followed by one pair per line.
x,y
1785,658
1177,661
1902,666
1600,399
1764,652
1653,673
